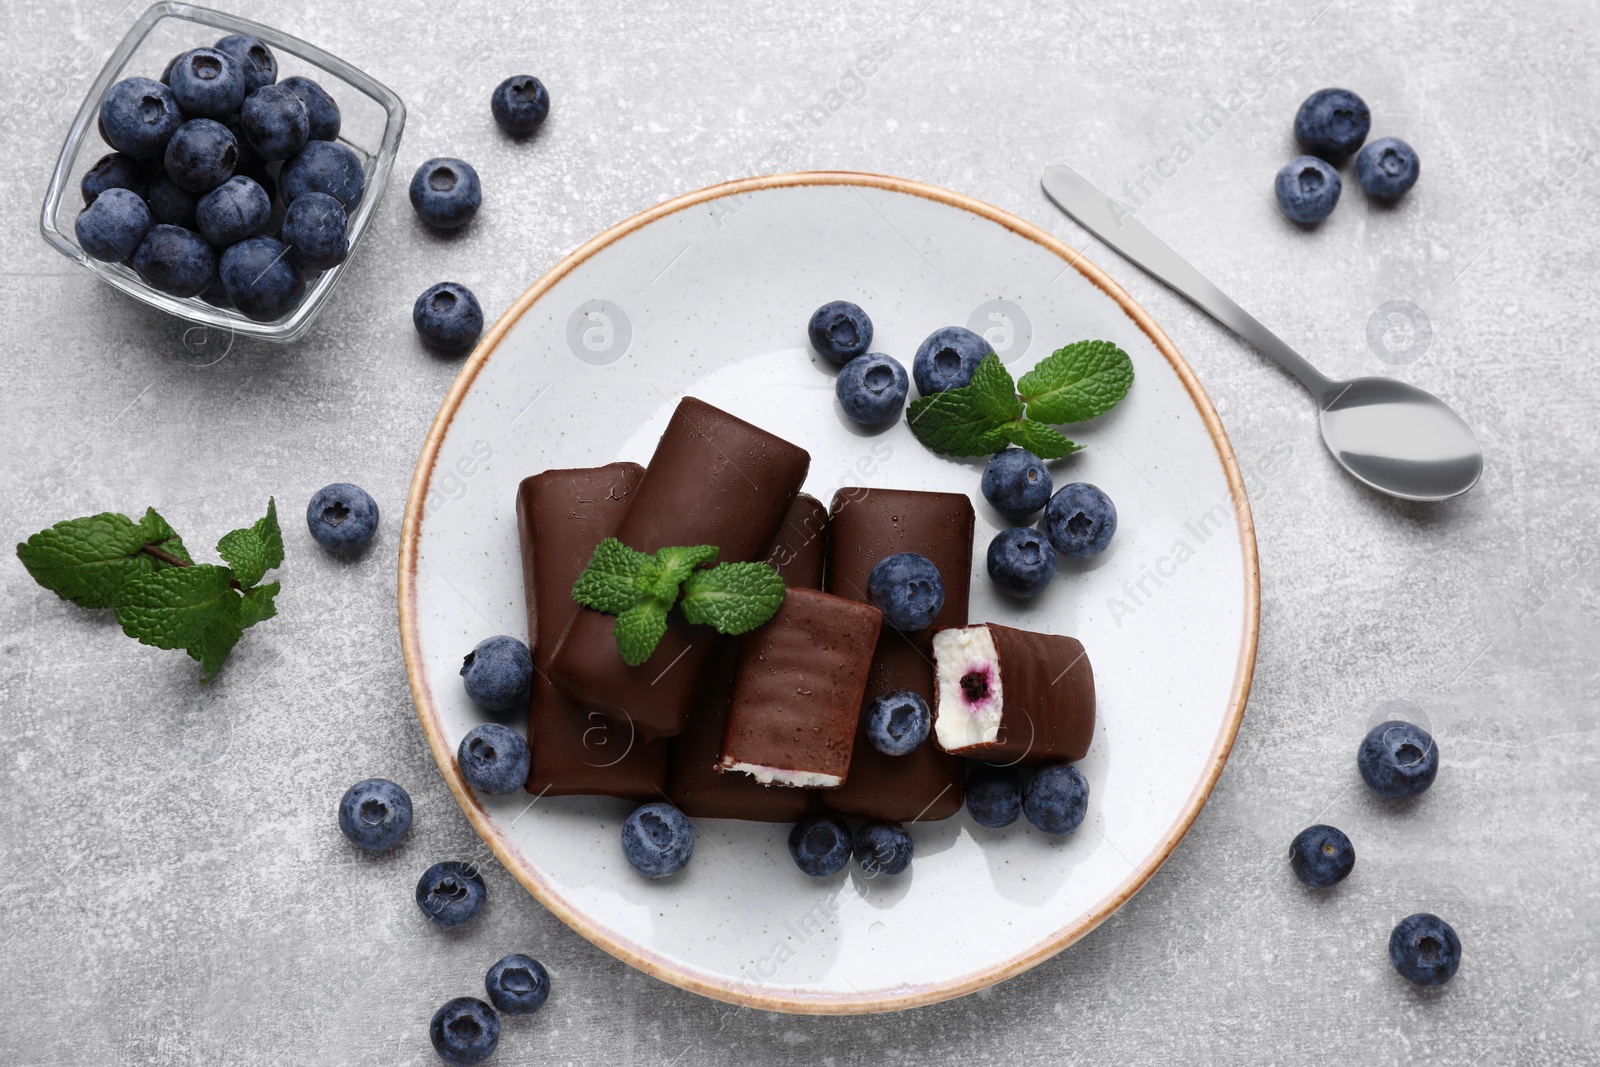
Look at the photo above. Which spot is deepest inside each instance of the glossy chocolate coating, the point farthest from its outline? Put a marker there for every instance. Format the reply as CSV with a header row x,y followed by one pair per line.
x,y
1048,688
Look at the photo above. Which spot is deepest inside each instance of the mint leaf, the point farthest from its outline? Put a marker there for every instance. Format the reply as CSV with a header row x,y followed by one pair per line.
x,y
87,560
993,392
610,582
1076,383
258,604
639,630
158,533
1043,441
172,608
953,423
733,597
254,550
212,646
667,569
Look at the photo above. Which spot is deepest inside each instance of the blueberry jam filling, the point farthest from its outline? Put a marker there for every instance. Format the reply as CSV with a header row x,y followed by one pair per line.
x,y
975,686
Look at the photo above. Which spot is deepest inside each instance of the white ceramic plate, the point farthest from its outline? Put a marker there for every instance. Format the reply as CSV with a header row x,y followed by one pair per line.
x,y
709,295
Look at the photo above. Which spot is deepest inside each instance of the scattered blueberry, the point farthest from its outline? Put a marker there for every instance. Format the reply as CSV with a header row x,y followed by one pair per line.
x,y
255,59
1398,759
840,331
1387,167
445,193
171,204
883,848
451,893
321,109
907,588
493,759
1308,188
517,984
947,359
113,171
201,155
872,388
821,845
1016,483
447,316
994,796
1080,520
657,839
113,227
464,1032
497,673
324,167
1321,856
1425,949
207,83
342,517
898,722
138,117
375,814
274,122
520,104
1056,798
316,230
175,261
234,210
1021,561
1332,123
260,278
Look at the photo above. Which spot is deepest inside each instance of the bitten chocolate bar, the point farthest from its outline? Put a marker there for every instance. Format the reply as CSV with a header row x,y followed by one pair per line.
x,y
714,480
561,516
1012,696
798,692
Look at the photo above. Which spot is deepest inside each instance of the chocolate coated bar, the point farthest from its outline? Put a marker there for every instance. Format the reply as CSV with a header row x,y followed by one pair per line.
x,y
1012,696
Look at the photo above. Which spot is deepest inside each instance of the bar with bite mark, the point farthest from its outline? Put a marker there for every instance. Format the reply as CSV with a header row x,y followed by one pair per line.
x,y
1012,696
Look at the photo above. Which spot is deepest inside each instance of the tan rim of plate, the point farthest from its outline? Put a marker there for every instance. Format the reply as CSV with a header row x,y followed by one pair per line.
x,y
908,996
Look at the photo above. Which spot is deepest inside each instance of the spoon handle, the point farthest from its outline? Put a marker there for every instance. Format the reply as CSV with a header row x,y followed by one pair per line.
x,y
1115,225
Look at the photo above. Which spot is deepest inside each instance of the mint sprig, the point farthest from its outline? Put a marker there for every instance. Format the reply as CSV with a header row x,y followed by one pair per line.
x,y
641,588
161,597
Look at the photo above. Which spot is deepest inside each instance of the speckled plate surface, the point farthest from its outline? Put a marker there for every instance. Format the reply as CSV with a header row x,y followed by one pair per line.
x,y
709,294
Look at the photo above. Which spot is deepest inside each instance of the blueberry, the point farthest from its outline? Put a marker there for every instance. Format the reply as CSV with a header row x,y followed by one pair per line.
x,y
234,210
175,261
138,117
1387,167
520,104
883,848
375,814
1056,798
114,171
342,517
324,167
1080,520
1398,759
657,839
445,193
255,59
1016,483
321,109
316,230
113,227
451,893
872,388
908,590
1308,188
1321,856
947,359
201,155
208,83
275,123
171,204
517,984
1332,123
493,759
1425,949
1021,561
166,71
464,1032
898,722
840,331
447,316
994,796
497,673
261,280
821,845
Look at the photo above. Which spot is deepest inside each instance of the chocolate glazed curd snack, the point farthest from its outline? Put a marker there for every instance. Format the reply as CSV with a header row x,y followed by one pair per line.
x,y
1012,696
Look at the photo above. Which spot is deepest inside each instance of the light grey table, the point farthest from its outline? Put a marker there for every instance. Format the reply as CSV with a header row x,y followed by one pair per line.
x,y
175,889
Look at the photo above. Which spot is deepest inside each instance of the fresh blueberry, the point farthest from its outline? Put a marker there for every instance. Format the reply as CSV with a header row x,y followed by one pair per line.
x,y
201,155
872,388
216,294
1425,949
898,722
447,316
1056,798
1021,561
1332,123
1016,483
840,331
497,673
883,848
1398,759
375,814
175,261
255,59
113,171
445,193
275,123
324,167
1321,856
464,1032
316,230
113,227
493,759
172,204
451,893
1080,520
657,839
1308,188
342,517
138,117
208,83
994,796
947,359
821,845
234,210
520,104
260,278
907,588
1387,167
517,984
321,109
166,71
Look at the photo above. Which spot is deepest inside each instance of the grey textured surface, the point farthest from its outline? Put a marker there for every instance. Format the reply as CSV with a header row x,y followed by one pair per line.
x,y
175,888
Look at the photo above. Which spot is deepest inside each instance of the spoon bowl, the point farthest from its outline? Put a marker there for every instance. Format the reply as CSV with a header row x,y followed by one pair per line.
x,y
1399,439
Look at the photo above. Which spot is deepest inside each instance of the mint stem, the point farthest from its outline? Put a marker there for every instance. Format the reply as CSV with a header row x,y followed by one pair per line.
x,y
173,561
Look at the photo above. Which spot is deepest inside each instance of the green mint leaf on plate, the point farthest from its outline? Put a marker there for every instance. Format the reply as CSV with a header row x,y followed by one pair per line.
x,y
610,582
639,630
87,560
1077,383
975,419
993,392
666,570
159,534
254,550
732,598
1043,441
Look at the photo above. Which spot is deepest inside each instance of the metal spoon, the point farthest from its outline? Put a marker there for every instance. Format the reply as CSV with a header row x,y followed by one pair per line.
x,y
1394,437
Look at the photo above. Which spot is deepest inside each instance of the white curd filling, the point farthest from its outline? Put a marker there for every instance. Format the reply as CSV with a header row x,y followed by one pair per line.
x,y
970,695
783,776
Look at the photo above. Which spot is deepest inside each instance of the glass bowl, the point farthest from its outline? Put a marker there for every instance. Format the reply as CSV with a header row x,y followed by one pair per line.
x,y
372,118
